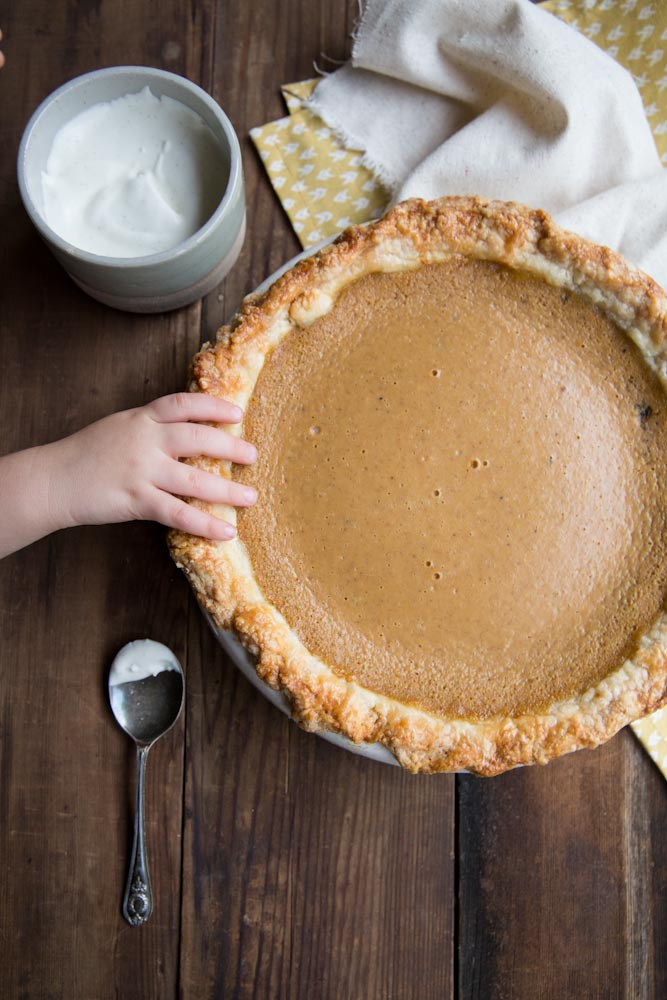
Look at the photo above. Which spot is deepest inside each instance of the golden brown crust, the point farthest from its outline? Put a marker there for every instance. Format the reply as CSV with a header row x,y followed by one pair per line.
x,y
221,574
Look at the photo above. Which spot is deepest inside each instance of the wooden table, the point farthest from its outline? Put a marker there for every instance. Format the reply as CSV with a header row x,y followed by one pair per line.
x,y
283,867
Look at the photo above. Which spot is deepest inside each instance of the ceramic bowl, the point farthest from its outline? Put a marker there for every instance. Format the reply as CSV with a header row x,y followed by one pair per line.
x,y
159,281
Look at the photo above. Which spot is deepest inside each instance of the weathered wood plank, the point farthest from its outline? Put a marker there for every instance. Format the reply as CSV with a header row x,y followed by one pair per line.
x,y
68,602
309,872
562,879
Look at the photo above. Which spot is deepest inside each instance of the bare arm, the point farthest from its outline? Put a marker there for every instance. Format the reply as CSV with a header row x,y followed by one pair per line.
x,y
24,499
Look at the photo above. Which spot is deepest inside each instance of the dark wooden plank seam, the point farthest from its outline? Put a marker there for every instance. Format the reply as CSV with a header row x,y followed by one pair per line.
x,y
177,984
206,78
639,956
456,939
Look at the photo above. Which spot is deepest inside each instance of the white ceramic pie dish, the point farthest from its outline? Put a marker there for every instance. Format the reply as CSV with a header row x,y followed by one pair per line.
x,y
242,659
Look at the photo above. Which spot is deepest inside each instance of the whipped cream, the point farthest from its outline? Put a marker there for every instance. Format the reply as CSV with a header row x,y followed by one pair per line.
x,y
141,659
133,176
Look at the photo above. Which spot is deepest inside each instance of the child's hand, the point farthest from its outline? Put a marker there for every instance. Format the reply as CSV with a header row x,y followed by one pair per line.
x,y
125,467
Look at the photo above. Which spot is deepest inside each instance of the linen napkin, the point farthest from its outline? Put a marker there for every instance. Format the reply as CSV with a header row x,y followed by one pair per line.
x,y
502,99
496,98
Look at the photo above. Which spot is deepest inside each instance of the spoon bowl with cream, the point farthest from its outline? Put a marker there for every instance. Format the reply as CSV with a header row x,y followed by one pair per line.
x,y
146,691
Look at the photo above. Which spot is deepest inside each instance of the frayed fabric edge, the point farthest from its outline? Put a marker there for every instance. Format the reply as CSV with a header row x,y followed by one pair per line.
x,y
357,28
378,170
362,7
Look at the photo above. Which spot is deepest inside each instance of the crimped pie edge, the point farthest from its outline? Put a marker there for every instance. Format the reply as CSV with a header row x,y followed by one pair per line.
x,y
411,234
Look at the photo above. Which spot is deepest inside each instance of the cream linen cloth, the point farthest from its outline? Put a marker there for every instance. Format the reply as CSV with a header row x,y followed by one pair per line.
x,y
499,98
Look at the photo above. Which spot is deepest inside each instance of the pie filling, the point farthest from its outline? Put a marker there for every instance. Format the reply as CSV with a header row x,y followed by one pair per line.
x,y
460,489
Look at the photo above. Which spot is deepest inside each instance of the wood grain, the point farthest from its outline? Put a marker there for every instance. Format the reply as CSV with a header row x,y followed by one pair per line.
x,y
560,880
309,872
283,867
68,602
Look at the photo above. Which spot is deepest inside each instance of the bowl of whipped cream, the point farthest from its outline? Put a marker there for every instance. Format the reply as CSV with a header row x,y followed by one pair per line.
x,y
133,178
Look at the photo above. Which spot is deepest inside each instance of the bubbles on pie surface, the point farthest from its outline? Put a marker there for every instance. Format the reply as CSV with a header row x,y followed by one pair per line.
x,y
436,574
440,469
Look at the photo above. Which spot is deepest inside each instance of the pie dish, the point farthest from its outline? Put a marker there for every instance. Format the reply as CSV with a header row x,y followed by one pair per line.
x,y
460,546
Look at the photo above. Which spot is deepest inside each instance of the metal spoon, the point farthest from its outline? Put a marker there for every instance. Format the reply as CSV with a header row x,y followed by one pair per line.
x,y
146,690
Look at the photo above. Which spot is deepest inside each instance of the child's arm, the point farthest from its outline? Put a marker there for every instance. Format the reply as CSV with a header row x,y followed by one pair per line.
x,y
123,468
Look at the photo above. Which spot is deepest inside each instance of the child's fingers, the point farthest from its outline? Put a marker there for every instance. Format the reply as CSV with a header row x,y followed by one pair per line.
x,y
188,440
194,406
175,513
188,481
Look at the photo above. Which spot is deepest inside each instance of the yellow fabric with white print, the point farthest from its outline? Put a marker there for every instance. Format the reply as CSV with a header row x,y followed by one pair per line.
x,y
324,187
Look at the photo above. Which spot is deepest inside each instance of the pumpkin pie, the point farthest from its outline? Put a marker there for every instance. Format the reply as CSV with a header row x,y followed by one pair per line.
x,y
460,543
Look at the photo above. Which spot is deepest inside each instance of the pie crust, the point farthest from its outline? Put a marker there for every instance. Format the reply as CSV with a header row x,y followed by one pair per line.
x,y
412,234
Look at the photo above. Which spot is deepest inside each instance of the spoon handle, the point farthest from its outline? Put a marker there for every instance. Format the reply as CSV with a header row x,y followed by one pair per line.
x,y
138,899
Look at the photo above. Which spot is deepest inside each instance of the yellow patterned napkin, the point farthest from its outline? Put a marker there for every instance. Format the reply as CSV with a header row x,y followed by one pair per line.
x,y
325,187
322,186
